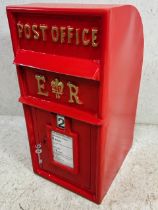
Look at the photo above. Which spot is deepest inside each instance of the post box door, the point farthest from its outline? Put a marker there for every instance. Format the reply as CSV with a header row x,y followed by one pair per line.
x,y
80,171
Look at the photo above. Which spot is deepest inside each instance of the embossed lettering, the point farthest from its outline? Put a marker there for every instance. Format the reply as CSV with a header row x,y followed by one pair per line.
x,y
43,29
77,36
40,85
27,31
55,33
94,38
62,34
85,40
34,29
20,29
74,98
70,34
59,34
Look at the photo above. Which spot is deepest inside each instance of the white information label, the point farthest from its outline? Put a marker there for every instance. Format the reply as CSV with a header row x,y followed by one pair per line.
x,y
62,149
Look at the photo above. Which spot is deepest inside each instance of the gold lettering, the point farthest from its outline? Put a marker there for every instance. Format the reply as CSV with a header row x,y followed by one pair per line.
x,y
27,31
57,87
55,33
62,34
94,38
70,34
43,30
20,29
59,34
36,34
77,36
40,85
73,93
84,40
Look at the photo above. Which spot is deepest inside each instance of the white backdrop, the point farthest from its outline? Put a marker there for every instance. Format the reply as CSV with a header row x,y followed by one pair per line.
x,y
148,98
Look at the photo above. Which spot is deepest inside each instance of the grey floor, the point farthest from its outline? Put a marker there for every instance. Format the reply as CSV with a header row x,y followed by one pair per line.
x,y
134,188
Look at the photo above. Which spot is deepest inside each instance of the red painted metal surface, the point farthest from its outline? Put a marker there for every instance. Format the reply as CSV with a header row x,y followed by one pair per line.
x,y
59,64
100,54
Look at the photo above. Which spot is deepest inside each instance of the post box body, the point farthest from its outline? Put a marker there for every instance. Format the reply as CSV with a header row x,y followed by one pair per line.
x,y
79,69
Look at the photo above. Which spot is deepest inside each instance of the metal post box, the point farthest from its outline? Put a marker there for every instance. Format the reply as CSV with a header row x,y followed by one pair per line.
x,y
79,69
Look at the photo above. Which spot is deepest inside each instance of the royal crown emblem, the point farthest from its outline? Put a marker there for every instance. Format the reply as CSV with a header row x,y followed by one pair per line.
x,y
57,87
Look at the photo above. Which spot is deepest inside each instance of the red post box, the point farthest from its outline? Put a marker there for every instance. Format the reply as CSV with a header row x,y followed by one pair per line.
x,y
79,69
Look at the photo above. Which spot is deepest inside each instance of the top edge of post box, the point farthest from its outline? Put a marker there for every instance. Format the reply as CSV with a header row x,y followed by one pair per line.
x,y
66,7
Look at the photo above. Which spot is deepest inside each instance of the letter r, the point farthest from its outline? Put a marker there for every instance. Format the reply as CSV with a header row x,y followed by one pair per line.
x,y
73,93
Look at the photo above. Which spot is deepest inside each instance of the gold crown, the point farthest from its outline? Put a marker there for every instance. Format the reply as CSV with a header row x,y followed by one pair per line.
x,y
57,87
